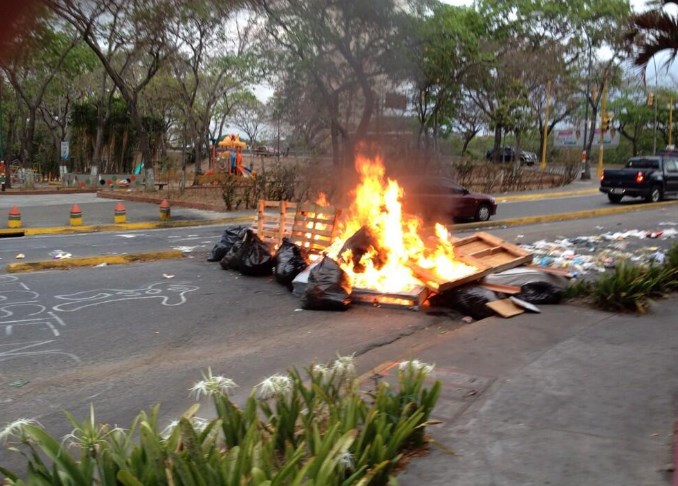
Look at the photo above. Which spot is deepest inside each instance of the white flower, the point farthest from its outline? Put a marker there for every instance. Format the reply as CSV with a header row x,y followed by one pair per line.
x,y
344,366
167,431
13,429
212,384
416,365
321,370
274,386
198,423
346,462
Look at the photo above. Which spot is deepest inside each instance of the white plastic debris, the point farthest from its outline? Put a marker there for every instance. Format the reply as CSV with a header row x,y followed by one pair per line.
x,y
59,255
20,256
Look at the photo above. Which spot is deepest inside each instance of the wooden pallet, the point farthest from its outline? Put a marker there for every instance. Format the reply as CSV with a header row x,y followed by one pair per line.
x,y
314,226
487,253
274,220
484,249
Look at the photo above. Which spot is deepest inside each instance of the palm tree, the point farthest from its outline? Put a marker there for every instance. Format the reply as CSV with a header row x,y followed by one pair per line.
x,y
653,31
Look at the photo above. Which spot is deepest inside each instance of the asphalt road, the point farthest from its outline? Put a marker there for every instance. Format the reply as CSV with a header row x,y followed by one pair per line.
x,y
126,337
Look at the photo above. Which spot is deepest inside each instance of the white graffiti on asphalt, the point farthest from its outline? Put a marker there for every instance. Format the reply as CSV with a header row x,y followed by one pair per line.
x,y
28,349
172,294
19,309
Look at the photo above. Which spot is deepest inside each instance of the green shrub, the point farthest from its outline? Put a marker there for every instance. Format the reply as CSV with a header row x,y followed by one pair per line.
x,y
321,430
629,287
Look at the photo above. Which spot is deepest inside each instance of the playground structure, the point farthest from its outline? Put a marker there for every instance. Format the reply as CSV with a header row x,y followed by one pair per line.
x,y
227,157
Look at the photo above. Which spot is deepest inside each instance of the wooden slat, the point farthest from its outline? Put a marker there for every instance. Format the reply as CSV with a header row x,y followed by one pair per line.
x,y
314,226
504,289
436,284
273,221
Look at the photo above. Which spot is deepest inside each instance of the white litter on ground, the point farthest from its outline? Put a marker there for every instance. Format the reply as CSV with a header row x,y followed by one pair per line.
x,y
584,254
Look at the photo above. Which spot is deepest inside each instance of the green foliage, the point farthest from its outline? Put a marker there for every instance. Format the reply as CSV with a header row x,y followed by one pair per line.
x,y
629,288
318,429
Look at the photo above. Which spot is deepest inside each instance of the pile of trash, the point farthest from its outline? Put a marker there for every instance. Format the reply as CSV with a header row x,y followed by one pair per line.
x,y
584,255
324,285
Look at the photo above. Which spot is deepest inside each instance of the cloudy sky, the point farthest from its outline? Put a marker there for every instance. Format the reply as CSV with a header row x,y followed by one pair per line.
x,y
636,4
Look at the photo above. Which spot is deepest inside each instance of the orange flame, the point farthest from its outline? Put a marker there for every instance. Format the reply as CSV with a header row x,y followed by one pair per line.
x,y
396,238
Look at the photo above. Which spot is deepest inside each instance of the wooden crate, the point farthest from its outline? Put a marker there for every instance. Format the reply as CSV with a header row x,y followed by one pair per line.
x,y
314,226
274,220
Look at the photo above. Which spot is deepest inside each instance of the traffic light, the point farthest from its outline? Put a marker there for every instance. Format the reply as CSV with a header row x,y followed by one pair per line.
x,y
605,121
650,99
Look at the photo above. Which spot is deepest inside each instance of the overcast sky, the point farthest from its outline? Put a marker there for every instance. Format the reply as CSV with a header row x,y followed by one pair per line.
x,y
636,4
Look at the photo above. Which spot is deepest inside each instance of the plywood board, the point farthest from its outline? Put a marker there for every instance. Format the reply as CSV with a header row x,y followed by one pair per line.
x,y
505,308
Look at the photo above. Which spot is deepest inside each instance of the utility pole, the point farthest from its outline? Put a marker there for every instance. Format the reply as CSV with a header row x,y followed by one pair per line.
x,y
542,165
670,120
603,116
586,172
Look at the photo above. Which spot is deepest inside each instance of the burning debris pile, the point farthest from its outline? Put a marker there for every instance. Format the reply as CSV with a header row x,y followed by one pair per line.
x,y
377,254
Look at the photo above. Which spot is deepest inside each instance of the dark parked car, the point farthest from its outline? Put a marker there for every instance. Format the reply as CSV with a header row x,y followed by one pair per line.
x,y
508,154
441,199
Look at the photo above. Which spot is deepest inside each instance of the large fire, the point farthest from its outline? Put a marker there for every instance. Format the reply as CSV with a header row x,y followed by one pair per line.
x,y
378,245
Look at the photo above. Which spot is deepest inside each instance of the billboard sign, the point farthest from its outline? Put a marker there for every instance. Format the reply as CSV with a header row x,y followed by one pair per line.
x,y
574,138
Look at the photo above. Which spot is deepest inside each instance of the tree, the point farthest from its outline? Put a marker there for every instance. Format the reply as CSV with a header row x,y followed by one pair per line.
x,y
652,32
139,31
578,29
447,50
205,67
35,58
249,116
344,48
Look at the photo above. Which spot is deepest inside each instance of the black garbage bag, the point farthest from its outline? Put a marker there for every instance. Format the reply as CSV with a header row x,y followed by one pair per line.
x,y
290,260
231,260
360,243
229,237
469,300
255,256
541,293
328,287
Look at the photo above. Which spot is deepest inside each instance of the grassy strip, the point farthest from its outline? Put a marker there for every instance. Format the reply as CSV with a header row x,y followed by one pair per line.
x,y
321,429
630,288
91,261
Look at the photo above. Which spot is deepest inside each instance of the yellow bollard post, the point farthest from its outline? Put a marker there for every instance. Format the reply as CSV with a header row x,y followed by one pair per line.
x,y
120,213
14,218
76,215
164,210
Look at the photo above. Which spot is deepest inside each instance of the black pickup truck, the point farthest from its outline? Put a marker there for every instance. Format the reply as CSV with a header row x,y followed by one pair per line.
x,y
648,176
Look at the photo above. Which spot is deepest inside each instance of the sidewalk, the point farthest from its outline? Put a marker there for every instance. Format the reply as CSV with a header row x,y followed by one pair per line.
x,y
571,396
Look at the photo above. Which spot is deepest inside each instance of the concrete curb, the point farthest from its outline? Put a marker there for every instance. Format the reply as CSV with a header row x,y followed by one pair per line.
x,y
151,200
92,261
546,195
120,227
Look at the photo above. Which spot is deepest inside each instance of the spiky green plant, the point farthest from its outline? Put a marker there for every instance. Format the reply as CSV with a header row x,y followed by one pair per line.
x,y
318,430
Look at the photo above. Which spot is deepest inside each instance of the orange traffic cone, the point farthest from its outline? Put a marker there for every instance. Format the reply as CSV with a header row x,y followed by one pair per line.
x,y
14,218
164,210
76,215
120,213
